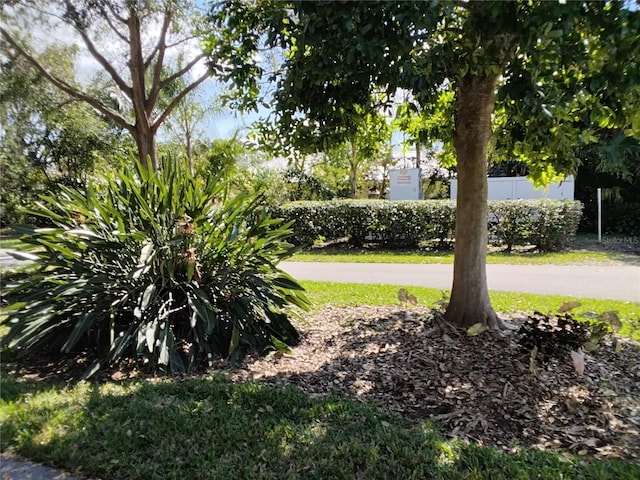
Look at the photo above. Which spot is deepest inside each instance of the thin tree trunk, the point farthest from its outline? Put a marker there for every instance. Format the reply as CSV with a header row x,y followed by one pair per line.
x,y
383,187
469,303
353,171
190,154
188,145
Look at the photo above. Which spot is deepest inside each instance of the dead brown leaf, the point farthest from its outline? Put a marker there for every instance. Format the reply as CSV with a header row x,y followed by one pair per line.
x,y
478,388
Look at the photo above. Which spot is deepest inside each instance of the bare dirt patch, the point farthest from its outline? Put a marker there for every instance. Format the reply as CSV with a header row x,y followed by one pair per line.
x,y
478,388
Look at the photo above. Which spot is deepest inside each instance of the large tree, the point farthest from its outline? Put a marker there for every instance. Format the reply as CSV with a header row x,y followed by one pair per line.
x,y
131,41
535,57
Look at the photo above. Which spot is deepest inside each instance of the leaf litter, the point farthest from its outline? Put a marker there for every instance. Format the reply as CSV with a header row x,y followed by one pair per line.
x,y
478,388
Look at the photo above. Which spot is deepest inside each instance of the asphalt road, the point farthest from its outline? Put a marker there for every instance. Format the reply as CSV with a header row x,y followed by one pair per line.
x,y
615,282
619,282
13,259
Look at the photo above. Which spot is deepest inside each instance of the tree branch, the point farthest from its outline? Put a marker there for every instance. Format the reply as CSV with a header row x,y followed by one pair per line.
x,y
115,14
161,44
113,27
67,87
174,103
157,70
181,41
136,67
182,71
126,89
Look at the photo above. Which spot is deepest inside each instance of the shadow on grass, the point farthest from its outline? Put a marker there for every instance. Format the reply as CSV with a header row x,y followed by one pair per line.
x,y
13,389
204,428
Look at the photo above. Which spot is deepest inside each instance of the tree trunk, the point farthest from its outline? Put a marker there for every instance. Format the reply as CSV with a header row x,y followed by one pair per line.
x,y
469,303
353,170
383,187
189,147
146,143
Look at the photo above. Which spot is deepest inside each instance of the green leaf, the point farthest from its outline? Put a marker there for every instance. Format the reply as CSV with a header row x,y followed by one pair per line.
x,y
201,306
19,255
287,282
175,362
281,346
146,296
80,328
87,234
476,329
235,340
166,344
151,333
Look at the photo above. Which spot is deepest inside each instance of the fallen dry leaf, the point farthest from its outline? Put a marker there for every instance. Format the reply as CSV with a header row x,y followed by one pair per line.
x,y
612,319
402,295
478,388
568,306
476,329
578,361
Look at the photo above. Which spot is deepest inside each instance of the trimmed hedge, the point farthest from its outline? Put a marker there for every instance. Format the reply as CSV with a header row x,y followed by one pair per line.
x,y
546,224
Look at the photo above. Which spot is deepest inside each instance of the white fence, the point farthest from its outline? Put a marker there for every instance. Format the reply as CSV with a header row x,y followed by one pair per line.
x,y
512,188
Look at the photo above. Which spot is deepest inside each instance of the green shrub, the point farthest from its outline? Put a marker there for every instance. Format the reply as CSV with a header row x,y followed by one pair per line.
x,y
546,224
554,223
510,222
156,269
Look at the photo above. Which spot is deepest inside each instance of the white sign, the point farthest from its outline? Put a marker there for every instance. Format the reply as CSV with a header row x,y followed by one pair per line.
x,y
405,184
513,188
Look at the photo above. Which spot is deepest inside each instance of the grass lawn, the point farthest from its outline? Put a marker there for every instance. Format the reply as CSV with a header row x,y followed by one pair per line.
x,y
211,427
325,293
556,258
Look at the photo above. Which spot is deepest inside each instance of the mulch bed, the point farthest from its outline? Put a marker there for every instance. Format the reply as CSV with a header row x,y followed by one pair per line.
x,y
477,388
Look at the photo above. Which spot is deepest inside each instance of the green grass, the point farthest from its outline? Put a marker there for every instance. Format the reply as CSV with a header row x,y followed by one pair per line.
x,y
558,258
325,293
210,428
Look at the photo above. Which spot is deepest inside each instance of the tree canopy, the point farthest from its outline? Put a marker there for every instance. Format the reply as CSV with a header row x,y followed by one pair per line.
x,y
142,49
536,69
47,137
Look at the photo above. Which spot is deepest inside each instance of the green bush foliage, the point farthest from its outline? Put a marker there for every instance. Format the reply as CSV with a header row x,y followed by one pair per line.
x,y
158,268
545,224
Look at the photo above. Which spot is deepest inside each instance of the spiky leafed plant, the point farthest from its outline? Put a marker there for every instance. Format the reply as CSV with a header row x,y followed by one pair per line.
x,y
158,268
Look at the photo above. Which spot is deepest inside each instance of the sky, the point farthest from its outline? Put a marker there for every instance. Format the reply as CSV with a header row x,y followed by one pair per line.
x,y
221,125
87,67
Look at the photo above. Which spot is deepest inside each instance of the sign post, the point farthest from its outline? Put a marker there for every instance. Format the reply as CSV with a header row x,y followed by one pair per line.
x,y
599,215
405,184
